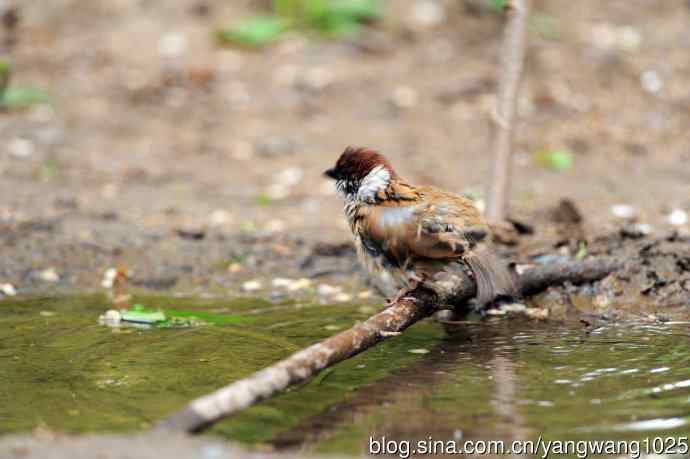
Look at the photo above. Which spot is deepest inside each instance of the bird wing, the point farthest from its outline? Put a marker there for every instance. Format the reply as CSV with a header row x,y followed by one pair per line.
x,y
434,224
434,227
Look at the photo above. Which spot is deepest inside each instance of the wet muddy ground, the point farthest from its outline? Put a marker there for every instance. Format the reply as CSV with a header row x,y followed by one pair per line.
x,y
201,184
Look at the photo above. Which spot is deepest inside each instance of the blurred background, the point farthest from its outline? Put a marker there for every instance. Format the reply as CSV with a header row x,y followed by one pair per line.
x,y
136,131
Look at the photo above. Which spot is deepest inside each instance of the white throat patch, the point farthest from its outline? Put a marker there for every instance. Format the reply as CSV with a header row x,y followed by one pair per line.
x,y
375,181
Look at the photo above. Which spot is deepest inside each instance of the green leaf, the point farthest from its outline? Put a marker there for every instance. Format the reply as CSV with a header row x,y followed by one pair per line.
x,y
355,10
498,5
143,316
263,200
22,97
255,32
581,251
556,160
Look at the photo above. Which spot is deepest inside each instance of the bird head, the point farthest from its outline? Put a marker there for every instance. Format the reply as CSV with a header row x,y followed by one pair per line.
x,y
360,173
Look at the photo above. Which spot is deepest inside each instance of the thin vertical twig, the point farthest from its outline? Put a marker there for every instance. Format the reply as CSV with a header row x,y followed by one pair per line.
x,y
510,72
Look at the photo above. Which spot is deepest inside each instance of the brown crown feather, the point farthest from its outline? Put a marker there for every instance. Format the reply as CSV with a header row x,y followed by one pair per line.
x,y
356,162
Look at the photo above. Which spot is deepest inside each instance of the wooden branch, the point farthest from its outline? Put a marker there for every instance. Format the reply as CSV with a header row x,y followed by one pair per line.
x,y
512,58
452,288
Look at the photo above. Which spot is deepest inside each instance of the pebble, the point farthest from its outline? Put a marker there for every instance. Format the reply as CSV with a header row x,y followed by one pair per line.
x,y
404,97
109,278
678,217
290,176
327,290
427,13
234,268
49,275
172,45
607,36
623,211
644,228
281,282
251,286
651,81
299,284
364,295
8,289
316,79
21,148
343,297
219,217
276,226
111,318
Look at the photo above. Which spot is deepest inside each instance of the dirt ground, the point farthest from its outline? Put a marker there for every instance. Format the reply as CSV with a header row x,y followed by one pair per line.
x,y
199,167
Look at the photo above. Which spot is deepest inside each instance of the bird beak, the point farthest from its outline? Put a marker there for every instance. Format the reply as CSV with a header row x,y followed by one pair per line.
x,y
331,173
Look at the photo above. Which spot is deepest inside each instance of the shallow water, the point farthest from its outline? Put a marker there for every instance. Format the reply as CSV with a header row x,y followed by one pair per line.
x,y
496,379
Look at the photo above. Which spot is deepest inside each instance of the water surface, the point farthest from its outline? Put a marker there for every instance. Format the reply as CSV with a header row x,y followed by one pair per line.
x,y
493,379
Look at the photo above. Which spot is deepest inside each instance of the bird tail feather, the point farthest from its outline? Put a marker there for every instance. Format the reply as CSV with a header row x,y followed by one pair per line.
x,y
492,276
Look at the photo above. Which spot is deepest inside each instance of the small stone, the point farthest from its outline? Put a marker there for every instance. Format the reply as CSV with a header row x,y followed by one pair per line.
x,y
342,297
299,284
109,278
404,97
317,79
251,286
364,295
678,217
21,148
419,351
49,275
644,229
520,269
111,318
235,268
8,289
327,290
47,313
290,176
219,217
275,226
629,38
427,13
172,45
651,81
281,282
623,211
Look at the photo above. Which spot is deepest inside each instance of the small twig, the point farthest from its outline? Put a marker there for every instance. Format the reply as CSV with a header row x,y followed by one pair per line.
x,y
451,288
510,72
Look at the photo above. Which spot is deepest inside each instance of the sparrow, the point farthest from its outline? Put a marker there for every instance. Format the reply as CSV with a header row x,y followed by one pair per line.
x,y
414,232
